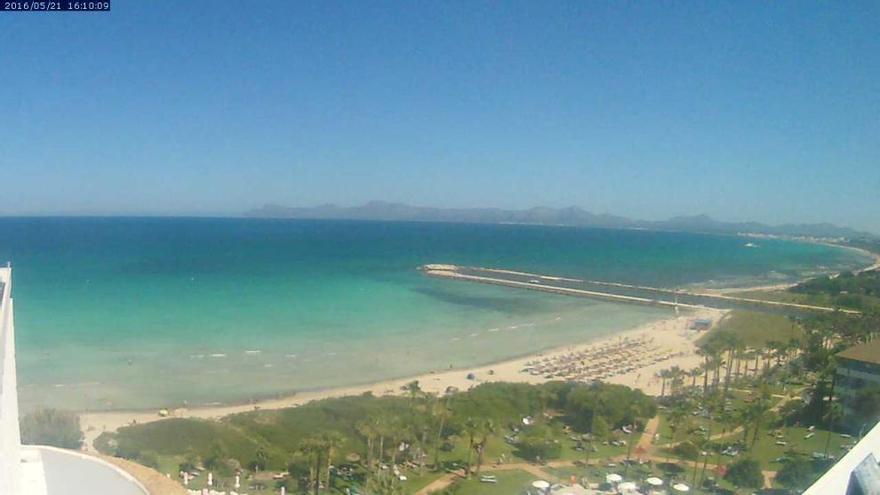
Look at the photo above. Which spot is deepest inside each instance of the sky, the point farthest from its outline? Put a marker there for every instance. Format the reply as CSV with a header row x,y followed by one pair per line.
x,y
766,111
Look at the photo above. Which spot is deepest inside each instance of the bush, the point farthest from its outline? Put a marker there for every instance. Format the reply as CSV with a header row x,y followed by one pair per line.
x,y
617,405
149,459
686,450
866,405
745,473
796,474
538,443
52,427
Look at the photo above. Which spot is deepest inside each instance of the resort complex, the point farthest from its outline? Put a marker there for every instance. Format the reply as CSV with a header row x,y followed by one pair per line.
x,y
858,374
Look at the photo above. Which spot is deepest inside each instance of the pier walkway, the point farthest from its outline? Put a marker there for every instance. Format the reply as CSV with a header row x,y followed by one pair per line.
x,y
624,293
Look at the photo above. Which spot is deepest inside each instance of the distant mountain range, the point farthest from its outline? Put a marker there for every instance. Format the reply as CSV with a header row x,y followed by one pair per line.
x,y
571,216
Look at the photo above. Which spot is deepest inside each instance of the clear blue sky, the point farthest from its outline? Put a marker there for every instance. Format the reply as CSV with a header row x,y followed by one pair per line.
x,y
767,110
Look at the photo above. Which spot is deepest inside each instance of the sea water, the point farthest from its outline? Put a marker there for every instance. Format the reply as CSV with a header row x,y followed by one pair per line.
x,y
118,313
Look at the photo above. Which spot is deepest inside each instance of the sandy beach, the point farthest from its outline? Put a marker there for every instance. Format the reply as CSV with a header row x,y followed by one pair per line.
x,y
670,340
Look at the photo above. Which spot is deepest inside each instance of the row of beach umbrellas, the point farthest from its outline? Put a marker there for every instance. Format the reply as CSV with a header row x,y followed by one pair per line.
x,y
615,478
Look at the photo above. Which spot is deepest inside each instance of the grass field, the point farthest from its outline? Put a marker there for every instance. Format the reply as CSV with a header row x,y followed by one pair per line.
x,y
787,297
820,299
767,451
508,483
757,329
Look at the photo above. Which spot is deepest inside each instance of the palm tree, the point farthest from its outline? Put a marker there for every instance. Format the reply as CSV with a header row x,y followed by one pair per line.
x,y
694,373
262,458
777,351
421,423
413,390
472,428
487,427
384,486
384,429
441,414
705,367
759,412
676,373
676,418
701,442
731,343
313,448
664,375
832,414
713,405
367,429
330,441
634,414
745,418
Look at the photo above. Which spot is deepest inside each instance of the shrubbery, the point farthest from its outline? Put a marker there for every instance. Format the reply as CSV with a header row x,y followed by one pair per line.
x,y
539,444
272,439
52,427
686,450
745,473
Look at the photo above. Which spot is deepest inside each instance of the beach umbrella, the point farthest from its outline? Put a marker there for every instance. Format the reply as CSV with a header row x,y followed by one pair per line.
x,y
681,487
627,486
653,481
613,478
541,484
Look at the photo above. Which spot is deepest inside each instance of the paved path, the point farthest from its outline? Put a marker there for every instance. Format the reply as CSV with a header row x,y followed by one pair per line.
x,y
647,440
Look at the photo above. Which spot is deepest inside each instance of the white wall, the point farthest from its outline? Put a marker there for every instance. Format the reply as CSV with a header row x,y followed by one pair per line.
x,y
10,435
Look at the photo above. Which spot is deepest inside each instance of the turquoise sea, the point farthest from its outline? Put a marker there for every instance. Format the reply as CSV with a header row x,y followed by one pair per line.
x,y
118,313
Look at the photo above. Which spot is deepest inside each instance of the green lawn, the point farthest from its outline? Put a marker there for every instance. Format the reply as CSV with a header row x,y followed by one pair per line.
x,y
818,299
756,329
787,297
496,449
415,481
766,451
509,483
604,451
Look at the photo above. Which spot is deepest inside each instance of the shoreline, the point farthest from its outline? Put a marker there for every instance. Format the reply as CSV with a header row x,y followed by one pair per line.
x,y
873,255
670,335
787,285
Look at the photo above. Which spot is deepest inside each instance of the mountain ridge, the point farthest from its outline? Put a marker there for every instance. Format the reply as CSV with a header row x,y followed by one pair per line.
x,y
572,216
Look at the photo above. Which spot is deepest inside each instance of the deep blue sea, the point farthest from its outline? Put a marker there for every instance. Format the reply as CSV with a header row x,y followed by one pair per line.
x,y
146,312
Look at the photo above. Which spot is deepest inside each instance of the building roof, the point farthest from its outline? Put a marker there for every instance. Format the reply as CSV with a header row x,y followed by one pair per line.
x,y
868,352
69,472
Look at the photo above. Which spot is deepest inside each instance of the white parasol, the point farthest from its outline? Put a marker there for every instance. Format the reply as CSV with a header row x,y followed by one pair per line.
x,y
653,481
613,478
